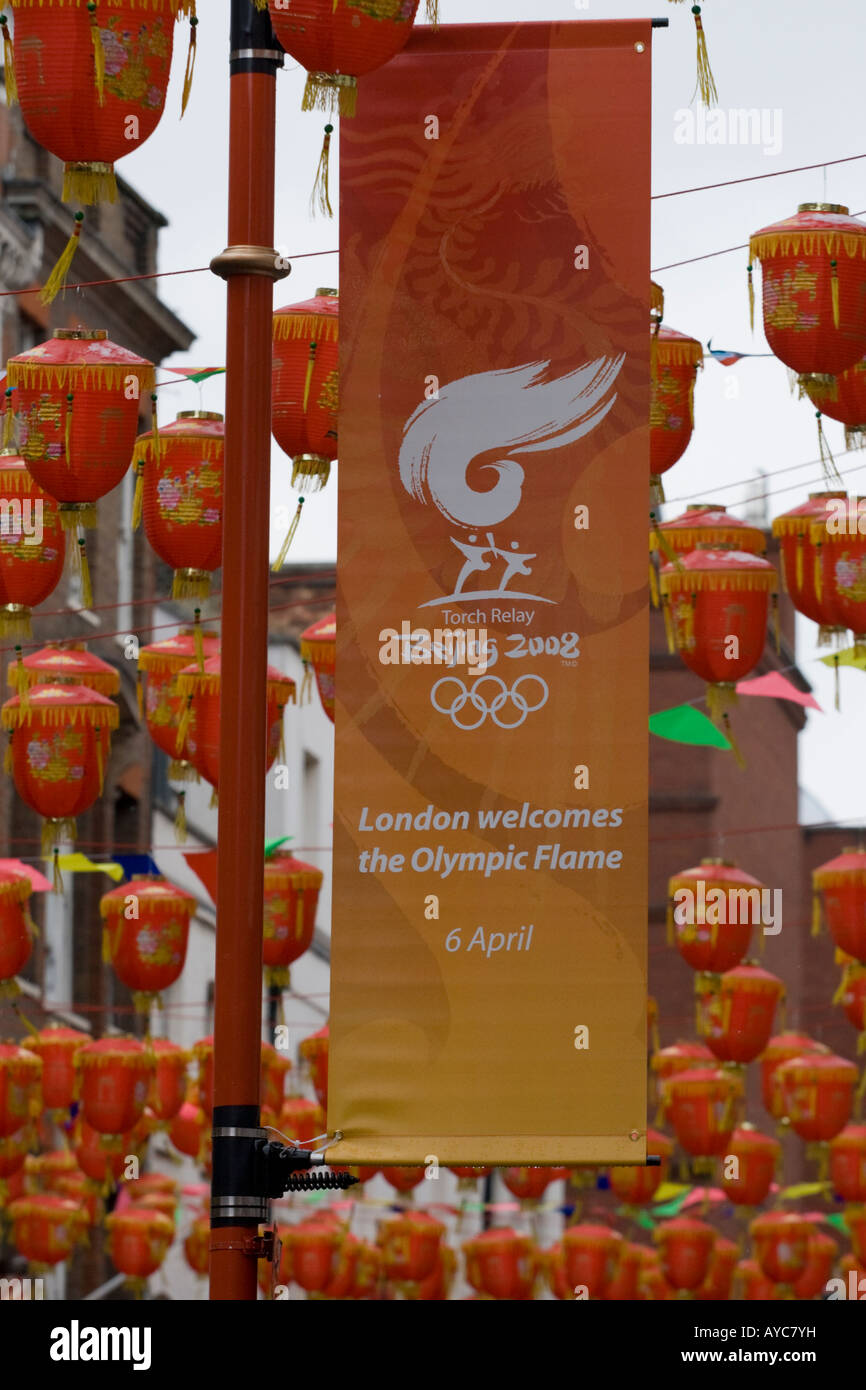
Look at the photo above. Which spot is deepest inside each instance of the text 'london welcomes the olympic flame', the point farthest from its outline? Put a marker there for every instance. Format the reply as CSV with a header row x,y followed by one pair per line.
x,y
489,950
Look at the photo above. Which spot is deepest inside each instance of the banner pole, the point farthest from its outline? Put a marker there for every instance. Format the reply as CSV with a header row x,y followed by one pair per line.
x,y
249,266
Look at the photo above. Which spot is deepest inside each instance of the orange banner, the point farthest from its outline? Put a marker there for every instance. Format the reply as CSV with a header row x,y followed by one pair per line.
x,y
490,866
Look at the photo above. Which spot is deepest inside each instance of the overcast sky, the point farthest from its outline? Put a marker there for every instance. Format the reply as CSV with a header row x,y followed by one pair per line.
x,y
798,62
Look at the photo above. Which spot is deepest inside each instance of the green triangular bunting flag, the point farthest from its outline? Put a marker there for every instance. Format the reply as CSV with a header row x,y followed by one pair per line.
x,y
685,724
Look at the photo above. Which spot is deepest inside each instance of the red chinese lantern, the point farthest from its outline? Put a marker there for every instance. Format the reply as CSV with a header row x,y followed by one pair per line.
x,y
591,1254
848,1163
818,1094
702,1108
145,933
623,1287
436,1287
150,1185
368,1271
410,1245
273,1077
187,1129
708,523
158,1201
753,1283
845,401
116,1075
196,1246
841,883
636,1185
404,1177
101,1163
711,910
736,1011
302,1119
199,731
716,604
468,1176
64,663
841,568
675,360
821,1257
291,899
77,402
83,74
341,1285
31,562
138,1239
202,1051
780,1049
311,1254
814,289
319,649
79,1188
20,1098
502,1264
13,1152
685,1247
46,1228
60,745
757,1156
16,930
851,994
305,386
801,560
720,1273
554,1269
169,1082
43,1170
180,487
854,1275
530,1184
159,665
781,1242
681,1056
314,1051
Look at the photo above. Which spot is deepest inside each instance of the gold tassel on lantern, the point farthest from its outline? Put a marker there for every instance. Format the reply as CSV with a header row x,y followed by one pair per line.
x,y
290,535
57,279
433,13
198,640
8,64
735,747
320,199
817,573
180,819
138,495
183,726
98,51
154,426
837,698
751,298
798,563
816,914
327,91
8,420
828,463
67,435
190,64
653,585
669,627
57,877
84,571
311,364
706,82
834,291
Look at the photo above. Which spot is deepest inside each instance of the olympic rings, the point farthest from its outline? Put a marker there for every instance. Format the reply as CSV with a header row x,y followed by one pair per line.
x,y
483,707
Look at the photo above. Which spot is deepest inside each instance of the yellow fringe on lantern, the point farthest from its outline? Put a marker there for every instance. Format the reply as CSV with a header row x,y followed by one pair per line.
x,y
180,819
322,327
59,716
811,241
290,535
710,581
751,299
706,82
206,447
190,584
138,495
680,352
38,376
306,684
89,183
320,200
432,13
657,491
190,64
855,436
329,91
310,472
9,66
834,292
179,770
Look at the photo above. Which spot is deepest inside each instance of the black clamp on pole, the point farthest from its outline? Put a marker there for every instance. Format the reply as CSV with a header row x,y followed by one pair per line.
x,y
250,1171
